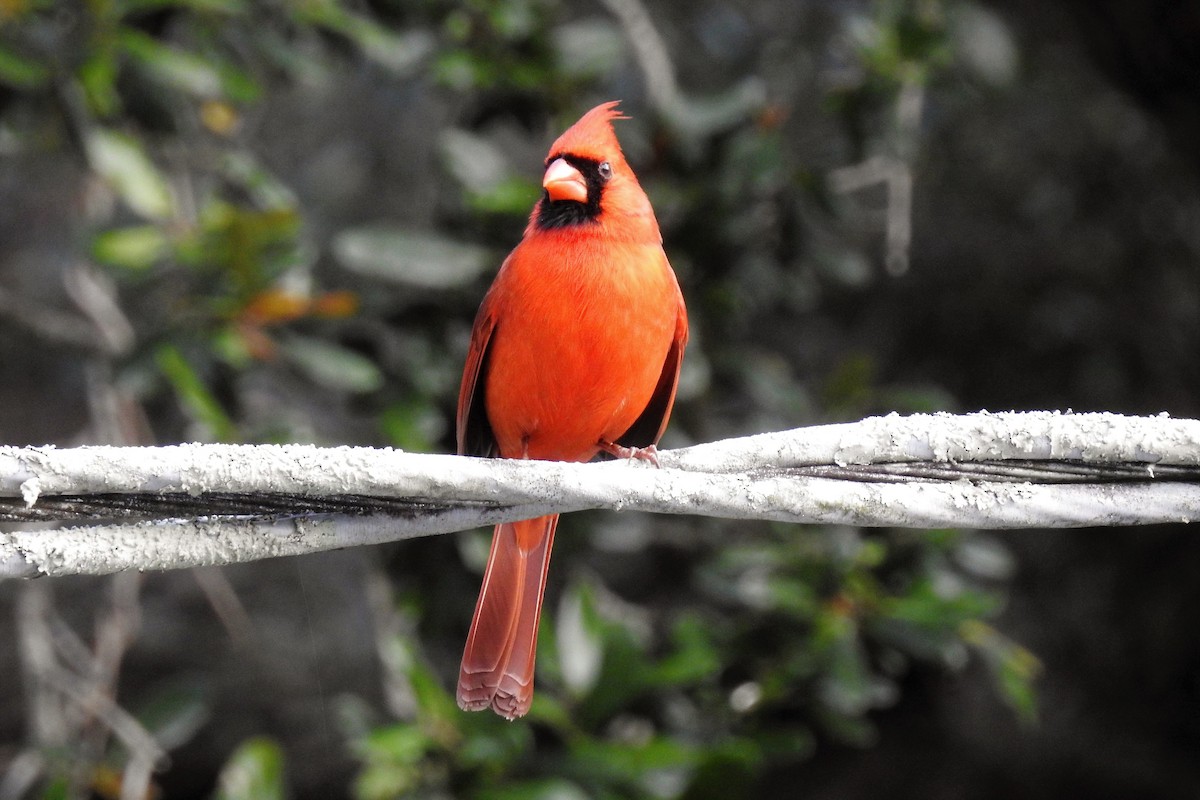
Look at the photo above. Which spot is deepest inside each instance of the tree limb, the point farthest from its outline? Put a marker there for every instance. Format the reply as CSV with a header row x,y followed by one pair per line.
x,y
241,503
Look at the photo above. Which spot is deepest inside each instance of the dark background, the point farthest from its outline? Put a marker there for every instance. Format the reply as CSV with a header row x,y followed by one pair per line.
x,y
343,179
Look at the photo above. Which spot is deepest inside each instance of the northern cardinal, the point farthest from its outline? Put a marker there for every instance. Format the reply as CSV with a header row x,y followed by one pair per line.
x,y
575,351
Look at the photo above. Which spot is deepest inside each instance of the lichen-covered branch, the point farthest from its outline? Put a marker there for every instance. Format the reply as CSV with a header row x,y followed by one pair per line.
x,y
946,438
769,476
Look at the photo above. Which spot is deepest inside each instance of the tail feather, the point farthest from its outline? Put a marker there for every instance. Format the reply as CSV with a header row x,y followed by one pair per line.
x,y
498,661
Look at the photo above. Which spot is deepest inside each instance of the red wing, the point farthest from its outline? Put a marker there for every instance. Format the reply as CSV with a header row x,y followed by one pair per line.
x,y
649,426
475,436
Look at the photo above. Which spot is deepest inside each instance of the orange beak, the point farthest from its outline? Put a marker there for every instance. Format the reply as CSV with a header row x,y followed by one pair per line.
x,y
563,182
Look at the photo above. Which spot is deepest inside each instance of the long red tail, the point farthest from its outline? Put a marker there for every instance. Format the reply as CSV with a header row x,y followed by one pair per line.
x,y
497,664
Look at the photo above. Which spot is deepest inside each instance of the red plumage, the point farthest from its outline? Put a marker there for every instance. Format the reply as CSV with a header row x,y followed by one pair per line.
x,y
576,349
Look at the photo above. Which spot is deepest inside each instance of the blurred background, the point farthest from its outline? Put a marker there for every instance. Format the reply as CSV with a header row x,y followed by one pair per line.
x,y
229,220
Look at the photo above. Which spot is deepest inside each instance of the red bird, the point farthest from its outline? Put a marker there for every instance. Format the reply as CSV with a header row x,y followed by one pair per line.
x,y
575,350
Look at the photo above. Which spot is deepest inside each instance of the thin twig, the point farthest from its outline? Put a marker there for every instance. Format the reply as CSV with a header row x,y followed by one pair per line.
x,y
96,296
225,604
695,117
49,324
23,771
651,53
124,726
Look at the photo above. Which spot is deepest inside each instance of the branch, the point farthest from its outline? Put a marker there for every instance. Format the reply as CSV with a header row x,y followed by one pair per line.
x,y
1015,470
694,116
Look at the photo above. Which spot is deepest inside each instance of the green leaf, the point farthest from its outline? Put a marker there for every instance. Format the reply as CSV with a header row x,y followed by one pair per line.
x,y
121,160
176,68
537,789
846,686
193,395
134,248
793,594
925,606
413,425
253,772
855,731
695,657
622,760
251,247
188,72
385,781
550,713
174,712
1016,687
219,6
513,21
98,76
589,47
413,258
492,744
403,743
580,641
1014,668
58,788
229,344
511,196
331,365
400,53
20,72
267,191
786,743
729,769
433,701
475,161
461,71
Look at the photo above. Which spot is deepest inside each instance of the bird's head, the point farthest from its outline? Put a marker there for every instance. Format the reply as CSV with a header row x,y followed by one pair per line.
x,y
587,179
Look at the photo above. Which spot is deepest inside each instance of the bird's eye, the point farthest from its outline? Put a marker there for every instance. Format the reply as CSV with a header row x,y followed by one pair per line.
x,y
605,170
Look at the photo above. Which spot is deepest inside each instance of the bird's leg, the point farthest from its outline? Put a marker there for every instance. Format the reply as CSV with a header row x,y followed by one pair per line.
x,y
647,453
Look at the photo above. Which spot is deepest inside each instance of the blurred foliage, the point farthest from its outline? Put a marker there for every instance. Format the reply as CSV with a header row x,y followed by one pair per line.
x,y
258,318
253,772
778,644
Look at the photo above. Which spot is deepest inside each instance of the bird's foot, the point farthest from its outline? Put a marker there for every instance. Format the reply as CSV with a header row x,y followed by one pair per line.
x,y
647,453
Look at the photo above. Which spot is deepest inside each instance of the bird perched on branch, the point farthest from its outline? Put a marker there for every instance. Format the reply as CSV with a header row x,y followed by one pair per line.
x,y
575,351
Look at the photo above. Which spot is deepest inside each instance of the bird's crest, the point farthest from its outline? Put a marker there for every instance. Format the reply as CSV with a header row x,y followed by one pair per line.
x,y
592,136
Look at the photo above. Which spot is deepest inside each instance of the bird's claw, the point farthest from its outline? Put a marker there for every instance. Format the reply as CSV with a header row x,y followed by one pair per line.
x,y
647,453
